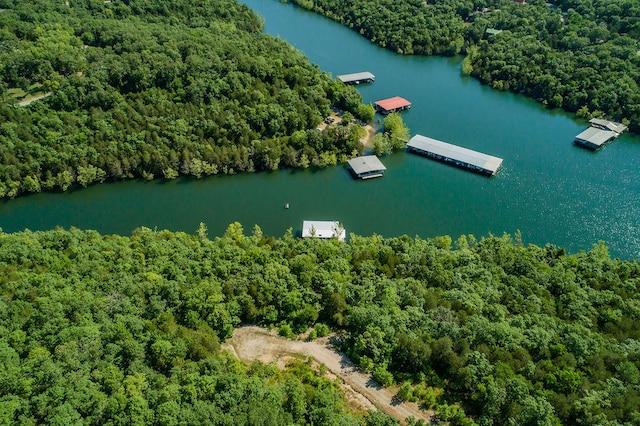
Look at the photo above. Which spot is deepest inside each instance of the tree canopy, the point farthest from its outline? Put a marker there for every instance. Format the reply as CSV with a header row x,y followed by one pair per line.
x,y
112,329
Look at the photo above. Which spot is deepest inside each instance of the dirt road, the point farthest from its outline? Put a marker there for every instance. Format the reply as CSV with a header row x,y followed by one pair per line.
x,y
35,98
255,343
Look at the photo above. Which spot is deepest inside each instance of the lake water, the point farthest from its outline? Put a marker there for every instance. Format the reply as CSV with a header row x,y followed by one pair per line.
x,y
549,189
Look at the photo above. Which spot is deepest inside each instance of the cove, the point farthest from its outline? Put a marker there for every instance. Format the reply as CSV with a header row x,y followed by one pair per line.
x,y
549,189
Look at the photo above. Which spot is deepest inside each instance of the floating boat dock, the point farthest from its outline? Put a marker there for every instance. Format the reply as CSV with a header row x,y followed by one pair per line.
x,y
395,104
455,155
600,133
357,78
323,229
367,167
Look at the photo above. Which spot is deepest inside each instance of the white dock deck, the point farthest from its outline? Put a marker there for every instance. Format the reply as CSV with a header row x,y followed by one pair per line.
x,y
323,229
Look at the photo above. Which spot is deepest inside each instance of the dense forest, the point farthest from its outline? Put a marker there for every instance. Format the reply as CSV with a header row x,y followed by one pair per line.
x,y
149,88
579,55
126,330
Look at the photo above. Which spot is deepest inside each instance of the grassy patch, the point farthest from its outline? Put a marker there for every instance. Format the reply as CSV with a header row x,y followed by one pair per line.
x,y
21,95
16,93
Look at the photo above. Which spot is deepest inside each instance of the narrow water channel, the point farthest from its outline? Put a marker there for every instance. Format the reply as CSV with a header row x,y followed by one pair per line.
x,y
549,189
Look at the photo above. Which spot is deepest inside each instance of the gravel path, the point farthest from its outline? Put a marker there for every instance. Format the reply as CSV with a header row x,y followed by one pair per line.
x,y
254,343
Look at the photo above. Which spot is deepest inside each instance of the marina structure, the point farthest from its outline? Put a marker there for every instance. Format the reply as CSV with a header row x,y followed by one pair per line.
x,y
323,229
455,155
600,132
367,167
357,78
395,104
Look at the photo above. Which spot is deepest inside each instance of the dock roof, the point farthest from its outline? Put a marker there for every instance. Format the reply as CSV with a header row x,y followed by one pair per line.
x,y
607,124
596,136
358,76
392,103
366,164
455,152
323,229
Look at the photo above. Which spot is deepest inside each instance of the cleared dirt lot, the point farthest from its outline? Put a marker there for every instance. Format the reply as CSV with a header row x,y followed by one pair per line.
x,y
254,343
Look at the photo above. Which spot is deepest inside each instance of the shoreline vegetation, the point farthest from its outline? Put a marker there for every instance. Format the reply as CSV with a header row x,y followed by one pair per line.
x,y
143,89
106,329
581,56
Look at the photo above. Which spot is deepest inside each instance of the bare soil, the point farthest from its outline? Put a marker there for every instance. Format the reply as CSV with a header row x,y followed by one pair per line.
x,y
336,120
366,141
254,343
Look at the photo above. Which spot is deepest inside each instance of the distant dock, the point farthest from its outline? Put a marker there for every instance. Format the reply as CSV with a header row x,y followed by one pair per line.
x,y
367,167
600,133
455,155
357,78
395,104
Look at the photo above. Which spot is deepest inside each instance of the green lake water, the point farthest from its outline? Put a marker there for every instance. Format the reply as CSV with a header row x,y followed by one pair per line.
x,y
549,189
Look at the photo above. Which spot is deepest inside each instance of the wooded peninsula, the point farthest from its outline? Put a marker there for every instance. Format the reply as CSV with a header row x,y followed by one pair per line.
x,y
145,89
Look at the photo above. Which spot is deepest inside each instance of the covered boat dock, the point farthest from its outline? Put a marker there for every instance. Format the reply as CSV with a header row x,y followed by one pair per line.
x,y
455,155
357,78
395,104
367,167
323,229
600,132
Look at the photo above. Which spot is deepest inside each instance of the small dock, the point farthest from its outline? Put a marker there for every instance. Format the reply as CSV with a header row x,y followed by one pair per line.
x,y
357,78
455,155
367,167
600,133
325,229
395,104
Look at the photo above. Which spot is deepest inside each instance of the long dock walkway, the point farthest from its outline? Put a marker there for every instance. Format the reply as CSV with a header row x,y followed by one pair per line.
x,y
455,155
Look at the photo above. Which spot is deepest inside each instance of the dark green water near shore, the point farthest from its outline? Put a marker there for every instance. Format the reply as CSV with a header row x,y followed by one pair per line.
x,y
549,189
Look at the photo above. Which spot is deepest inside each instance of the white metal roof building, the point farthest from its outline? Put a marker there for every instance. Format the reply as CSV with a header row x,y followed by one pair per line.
x,y
606,124
357,78
323,229
600,132
594,137
367,166
456,155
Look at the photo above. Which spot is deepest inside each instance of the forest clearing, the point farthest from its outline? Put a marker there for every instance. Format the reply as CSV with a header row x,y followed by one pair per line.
x,y
252,343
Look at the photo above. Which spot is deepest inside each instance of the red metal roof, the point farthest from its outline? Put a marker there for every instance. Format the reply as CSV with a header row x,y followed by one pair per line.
x,y
393,103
